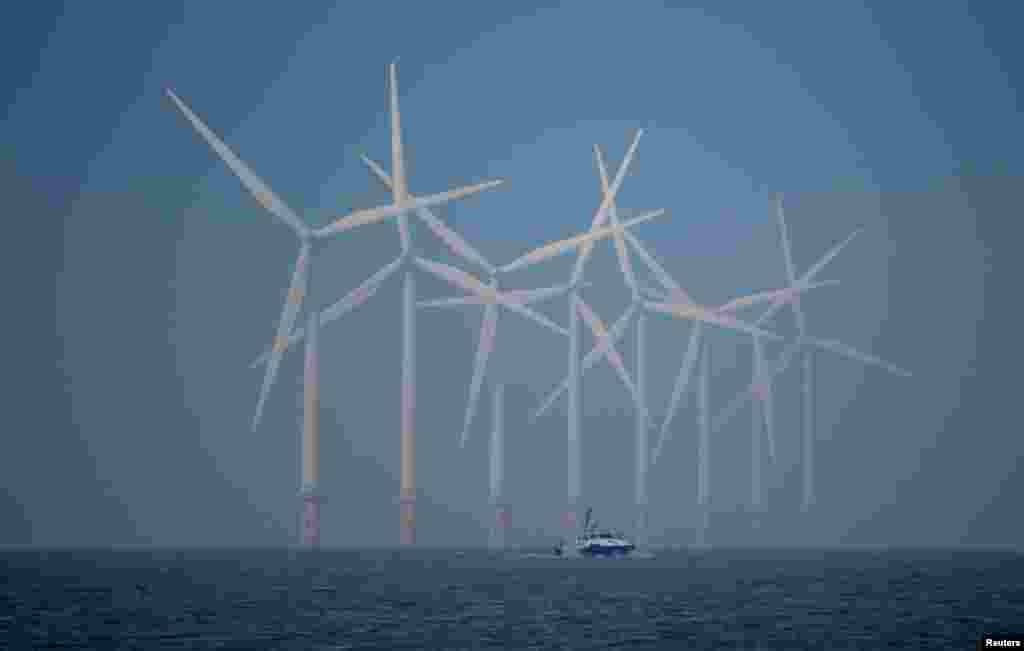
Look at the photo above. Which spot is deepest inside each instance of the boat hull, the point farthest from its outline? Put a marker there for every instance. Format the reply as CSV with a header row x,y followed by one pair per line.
x,y
614,549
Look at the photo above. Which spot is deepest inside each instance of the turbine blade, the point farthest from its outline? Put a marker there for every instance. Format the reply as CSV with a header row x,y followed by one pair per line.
x,y
787,254
533,316
548,401
467,282
400,189
737,403
785,358
288,315
694,312
654,292
679,390
530,296
825,259
519,296
294,338
669,283
561,246
458,278
380,213
764,390
787,250
606,202
752,299
758,358
597,352
403,220
849,351
602,173
360,294
457,301
488,331
741,398
621,252
453,240
780,296
804,281
352,300
253,183
598,221
611,354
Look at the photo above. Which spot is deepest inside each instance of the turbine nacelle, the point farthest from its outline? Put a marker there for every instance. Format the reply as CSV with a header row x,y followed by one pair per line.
x,y
760,389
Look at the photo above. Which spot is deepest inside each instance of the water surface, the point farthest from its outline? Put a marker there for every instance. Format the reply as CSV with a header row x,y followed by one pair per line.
x,y
443,599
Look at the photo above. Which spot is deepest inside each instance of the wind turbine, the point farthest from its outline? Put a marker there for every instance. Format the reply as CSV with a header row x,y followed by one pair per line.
x,y
672,295
403,202
676,302
584,244
762,408
834,346
760,387
606,340
514,300
491,298
690,359
639,309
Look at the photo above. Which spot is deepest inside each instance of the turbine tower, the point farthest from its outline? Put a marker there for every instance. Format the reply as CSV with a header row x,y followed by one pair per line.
x,y
496,536
703,448
403,202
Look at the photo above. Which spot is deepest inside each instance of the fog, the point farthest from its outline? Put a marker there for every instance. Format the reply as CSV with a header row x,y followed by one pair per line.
x,y
169,278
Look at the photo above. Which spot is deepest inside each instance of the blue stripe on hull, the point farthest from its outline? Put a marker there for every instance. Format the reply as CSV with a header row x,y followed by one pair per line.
x,y
606,550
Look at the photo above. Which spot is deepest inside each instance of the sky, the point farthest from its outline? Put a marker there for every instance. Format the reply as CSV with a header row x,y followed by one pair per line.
x,y
168,278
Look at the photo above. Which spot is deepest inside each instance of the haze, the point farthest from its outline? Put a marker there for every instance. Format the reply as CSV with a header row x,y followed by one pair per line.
x,y
130,422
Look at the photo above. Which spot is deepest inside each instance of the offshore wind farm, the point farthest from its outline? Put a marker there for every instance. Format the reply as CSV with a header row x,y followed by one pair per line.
x,y
658,293
387,325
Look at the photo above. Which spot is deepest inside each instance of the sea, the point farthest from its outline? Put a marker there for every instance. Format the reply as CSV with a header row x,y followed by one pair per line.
x,y
451,599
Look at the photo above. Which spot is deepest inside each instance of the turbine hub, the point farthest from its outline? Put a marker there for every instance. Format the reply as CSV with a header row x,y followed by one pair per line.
x,y
314,243
760,390
789,296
